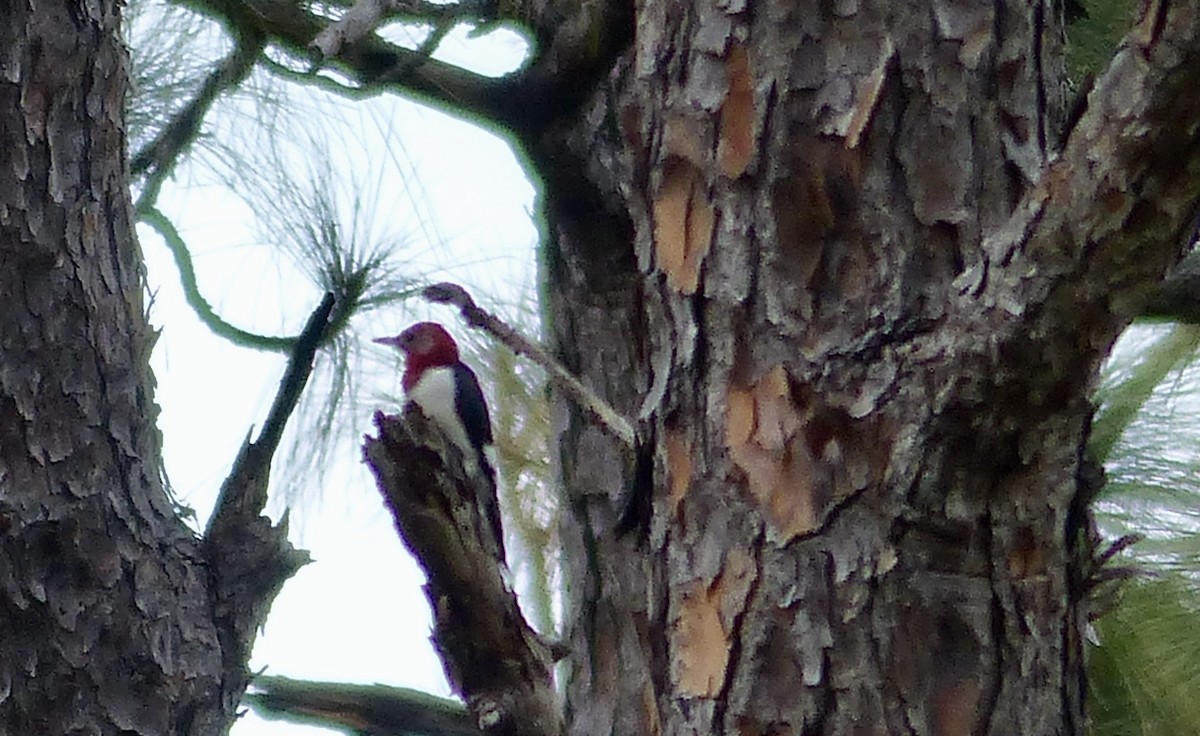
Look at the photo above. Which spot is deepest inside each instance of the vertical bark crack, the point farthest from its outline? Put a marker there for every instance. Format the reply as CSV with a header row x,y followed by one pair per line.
x,y
985,724
1039,30
721,707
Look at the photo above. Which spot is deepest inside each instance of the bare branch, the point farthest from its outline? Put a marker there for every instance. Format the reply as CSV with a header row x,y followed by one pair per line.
x,y
576,46
365,16
364,708
249,558
607,417
491,656
358,22
370,62
299,368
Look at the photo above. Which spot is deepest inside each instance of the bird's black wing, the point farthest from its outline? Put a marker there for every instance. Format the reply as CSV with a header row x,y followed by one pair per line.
x,y
472,407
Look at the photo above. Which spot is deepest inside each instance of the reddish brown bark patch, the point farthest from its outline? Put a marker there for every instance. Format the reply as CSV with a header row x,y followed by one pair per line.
x,y
800,457
736,145
683,225
704,625
679,467
761,424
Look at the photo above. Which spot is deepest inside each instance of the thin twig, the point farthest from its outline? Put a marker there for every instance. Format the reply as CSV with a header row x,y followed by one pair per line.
x,y
191,289
347,298
606,416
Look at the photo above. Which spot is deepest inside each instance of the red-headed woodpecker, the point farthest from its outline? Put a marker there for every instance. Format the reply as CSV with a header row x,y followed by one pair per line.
x,y
448,393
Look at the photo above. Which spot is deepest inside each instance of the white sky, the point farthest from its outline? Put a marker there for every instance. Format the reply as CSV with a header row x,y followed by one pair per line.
x,y
356,614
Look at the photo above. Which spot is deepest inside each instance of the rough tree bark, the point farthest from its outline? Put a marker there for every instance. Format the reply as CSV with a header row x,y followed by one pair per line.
x,y
114,616
836,257
838,264
850,278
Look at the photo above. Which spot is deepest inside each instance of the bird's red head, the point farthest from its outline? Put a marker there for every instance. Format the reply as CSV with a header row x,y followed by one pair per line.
x,y
425,345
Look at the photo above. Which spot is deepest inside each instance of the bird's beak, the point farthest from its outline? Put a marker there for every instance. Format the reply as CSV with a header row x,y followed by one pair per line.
x,y
391,341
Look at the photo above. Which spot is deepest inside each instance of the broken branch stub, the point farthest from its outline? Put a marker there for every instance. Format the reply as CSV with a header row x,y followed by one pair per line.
x,y
491,656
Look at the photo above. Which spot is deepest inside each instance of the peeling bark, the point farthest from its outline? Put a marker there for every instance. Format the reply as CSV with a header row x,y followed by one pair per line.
x,y
839,260
844,286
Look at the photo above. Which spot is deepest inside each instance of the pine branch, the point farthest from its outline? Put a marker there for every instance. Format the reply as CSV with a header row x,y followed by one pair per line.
x,y
370,62
347,298
191,289
1106,219
159,157
365,16
1135,150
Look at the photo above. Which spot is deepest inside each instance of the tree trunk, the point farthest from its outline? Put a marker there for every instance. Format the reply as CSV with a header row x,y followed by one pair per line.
x,y
769,238
114,616
832,261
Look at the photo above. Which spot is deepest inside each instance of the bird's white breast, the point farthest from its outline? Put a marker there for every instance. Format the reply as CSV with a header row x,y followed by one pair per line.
x,y
434,392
